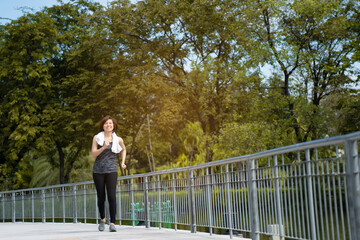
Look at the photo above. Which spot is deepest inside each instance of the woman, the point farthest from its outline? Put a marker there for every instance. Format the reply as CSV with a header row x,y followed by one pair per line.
x,y
105,145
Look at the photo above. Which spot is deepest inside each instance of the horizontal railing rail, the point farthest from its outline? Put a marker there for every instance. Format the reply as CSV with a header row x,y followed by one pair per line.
x,y
303,191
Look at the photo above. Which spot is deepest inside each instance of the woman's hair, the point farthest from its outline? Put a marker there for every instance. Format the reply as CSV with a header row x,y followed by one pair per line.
x,y
103,121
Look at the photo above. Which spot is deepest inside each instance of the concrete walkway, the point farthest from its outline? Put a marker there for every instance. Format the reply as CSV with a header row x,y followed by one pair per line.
x,y
80,231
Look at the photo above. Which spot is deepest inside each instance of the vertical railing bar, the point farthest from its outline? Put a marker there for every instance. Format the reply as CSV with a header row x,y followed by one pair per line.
x,y
74,203
278,198
293,201
320,196
253,206
63,203
323,173
306,190
85,193
330,200
310,195
119,202
266,197
146,200
220,200
132,204
303,231
197,197
297,174
287,201
3,207
314,180
335,201
244,197
260,195
174,200
159,200
43,213
271,196
13,206
340,194
223,200
228,198
239,203
347,199
233,197
238,189
216,199
223,196
22,206
190,200
32,206
213,198
353,183
204,199
53,204
283,194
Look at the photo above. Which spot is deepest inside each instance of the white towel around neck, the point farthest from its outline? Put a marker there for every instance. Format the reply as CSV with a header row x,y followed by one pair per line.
x,y
116,148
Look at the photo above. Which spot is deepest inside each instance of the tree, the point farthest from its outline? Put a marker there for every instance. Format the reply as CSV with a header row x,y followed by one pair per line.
x,y
46,104
309,42
193,46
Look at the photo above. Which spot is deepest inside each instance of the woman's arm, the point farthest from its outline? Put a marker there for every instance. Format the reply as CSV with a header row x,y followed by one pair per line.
x,y
123,152
95,151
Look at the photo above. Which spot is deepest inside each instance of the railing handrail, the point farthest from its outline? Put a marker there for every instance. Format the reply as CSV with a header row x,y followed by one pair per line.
x,y
281,150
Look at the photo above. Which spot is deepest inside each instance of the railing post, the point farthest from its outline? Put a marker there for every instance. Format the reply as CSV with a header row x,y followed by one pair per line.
x,y
353,187
13,207
146,202
253,204
173,183
74,204
3,207
53,204
32,206
159,200
43,213
22,206
84,186
191,198
132,202
228,204
278,198
209,199
310,194
63,202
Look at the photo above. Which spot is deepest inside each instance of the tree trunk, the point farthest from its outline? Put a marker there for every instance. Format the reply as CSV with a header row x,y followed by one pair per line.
x,y
62,162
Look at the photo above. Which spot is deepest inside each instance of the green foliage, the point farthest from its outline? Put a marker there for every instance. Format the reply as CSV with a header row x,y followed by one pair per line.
x,y
191,67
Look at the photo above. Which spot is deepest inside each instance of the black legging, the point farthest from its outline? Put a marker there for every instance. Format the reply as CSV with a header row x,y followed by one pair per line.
x,y
109,181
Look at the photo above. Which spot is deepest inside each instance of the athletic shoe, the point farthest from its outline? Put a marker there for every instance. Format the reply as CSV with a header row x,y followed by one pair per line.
x,y
101,226
112,228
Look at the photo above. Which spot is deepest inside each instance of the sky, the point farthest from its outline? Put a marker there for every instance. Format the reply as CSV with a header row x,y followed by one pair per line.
x,y
11,9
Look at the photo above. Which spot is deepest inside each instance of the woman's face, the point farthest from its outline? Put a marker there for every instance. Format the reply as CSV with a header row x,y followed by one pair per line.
x,y
108,126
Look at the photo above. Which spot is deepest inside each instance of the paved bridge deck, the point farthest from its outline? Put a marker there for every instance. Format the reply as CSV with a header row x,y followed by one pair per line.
x,y
80,231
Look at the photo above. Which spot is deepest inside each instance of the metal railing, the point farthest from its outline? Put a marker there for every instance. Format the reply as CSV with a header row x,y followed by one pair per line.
x,y
304,191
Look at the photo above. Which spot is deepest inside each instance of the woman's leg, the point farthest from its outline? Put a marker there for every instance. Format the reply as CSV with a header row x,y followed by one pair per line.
x,y
99,180
110,182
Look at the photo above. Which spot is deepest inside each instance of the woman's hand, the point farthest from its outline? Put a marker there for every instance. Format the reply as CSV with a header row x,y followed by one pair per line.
x,y
123,166
106,144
